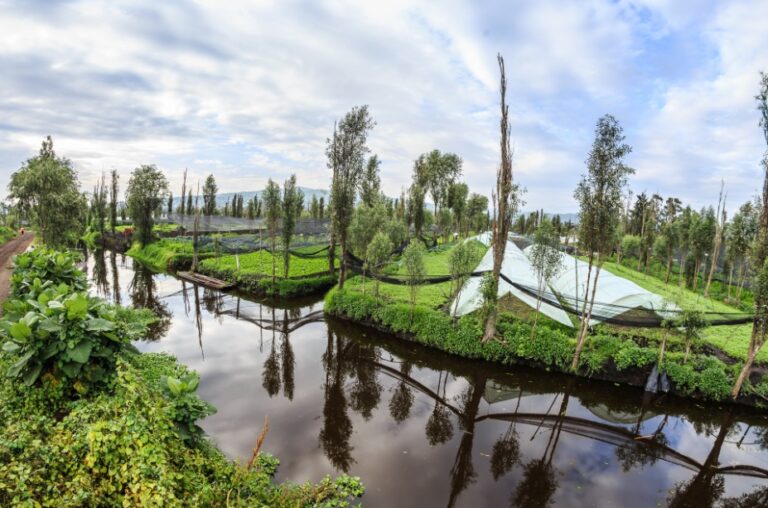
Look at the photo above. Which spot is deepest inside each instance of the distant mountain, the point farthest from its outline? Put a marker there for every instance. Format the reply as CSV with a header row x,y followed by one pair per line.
x,y
222,198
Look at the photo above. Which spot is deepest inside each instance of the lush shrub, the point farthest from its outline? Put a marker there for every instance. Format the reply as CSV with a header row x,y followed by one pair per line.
x,y
38,269
6,234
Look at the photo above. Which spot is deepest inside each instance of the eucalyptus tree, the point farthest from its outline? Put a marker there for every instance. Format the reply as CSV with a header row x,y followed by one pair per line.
x,y
505,202
457,200
546,260
759,254
113,191
477,212
670,233
272,211
740,235
145,193
416,213
600,200
370,182
346,152
684,225
209,195
47,191
702,240
293,204
720,219
435,172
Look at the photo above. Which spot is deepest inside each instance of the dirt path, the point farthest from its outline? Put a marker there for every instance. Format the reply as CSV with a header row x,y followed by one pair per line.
x,y
7,251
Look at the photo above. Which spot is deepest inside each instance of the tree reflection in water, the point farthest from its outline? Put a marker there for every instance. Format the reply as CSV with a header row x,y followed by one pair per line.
x,y
439,427
271,373
287,358
463,472
337,426
402,398
99,273
506,449
144,296
115,277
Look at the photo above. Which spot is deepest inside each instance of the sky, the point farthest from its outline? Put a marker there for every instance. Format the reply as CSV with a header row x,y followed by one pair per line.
x,y
249,90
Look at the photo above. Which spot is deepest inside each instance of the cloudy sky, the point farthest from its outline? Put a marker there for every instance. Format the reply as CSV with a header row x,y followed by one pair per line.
x,y
250,90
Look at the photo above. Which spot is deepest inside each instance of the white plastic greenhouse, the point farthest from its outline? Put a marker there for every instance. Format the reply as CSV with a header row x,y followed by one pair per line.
x,y
615,295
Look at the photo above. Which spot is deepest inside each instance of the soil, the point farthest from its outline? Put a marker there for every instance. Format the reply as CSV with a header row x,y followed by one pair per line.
x,y
7,251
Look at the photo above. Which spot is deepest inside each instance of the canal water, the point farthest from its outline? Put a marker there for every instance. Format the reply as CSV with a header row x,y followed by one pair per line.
x,y
426,429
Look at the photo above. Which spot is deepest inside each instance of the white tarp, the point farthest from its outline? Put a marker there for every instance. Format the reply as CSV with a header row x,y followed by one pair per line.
x,y
618,294
517,268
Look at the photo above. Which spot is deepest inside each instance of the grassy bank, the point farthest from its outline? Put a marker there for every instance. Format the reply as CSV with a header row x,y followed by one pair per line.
x,y
733,340
165,254
306,275
618,358
87,420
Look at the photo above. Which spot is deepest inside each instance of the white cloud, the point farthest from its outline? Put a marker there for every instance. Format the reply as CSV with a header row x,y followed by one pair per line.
x,y
257,86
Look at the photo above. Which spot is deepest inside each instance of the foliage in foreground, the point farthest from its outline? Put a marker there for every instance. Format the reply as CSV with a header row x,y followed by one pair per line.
x,y
128,436
702,376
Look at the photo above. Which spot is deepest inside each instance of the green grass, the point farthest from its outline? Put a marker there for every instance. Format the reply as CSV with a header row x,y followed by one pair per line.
x,y
733,340
161,254
429,295
260,264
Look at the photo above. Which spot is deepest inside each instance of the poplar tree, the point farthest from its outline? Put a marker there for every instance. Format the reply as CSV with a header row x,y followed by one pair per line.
x,y
273,209
99,203
145,193
190,209
370,183
435,172
113,191
504,198
346,153
183,192
600,202
293,203
759,254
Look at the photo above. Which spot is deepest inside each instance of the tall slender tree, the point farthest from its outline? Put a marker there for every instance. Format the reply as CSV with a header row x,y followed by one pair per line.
x,y
146,190
273,209
600,200
183,192
209,195
718,241
504,202
759,254
346,153
370,183
113,192
293,202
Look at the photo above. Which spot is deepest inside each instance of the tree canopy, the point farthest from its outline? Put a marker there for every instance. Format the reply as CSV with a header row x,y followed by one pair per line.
x,y
146,191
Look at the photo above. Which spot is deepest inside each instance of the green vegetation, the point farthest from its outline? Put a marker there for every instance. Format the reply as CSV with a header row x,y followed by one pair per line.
x,y
702,376
163,255
6,234
92,422
46,190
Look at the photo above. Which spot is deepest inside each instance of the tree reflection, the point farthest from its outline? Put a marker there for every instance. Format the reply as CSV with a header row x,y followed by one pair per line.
x,y
337,426
115,278
288,359
402,398
506,449
143,296
644,450
439,428
365,393
708,485
539,481
463,472
271,374
99,275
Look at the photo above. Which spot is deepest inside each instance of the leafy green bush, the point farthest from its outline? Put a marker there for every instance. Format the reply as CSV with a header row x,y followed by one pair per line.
x,y
42,266
6,234
68,336
188,407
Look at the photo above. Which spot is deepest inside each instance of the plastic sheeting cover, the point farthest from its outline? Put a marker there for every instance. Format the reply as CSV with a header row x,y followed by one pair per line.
x,y
620,294
517,268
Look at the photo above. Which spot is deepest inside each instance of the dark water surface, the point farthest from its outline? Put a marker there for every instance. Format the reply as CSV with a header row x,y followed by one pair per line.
x,y
425,429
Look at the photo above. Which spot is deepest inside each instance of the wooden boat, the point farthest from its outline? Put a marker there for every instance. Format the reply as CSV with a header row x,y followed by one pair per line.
x,y
206,281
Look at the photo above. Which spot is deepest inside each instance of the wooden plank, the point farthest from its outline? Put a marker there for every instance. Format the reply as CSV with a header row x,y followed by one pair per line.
x,y
205,280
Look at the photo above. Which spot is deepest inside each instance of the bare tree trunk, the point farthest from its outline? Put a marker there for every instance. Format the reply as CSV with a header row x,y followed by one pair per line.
x,y
343,266
744,372
730,282
663,346
586,295
585,328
